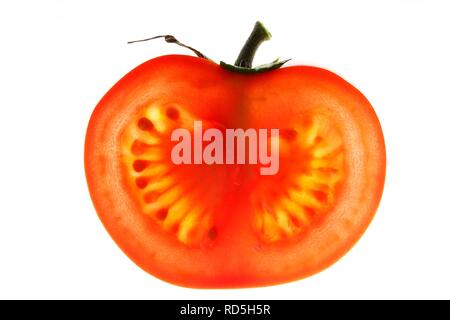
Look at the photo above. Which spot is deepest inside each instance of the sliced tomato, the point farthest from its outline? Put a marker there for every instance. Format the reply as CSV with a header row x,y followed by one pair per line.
x,y
226,225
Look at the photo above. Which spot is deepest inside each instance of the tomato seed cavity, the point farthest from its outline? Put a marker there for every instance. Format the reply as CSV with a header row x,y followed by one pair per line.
x,y
161,214
140,165
145,124
151,197
172,113
288,134
321,196
212,233
142,182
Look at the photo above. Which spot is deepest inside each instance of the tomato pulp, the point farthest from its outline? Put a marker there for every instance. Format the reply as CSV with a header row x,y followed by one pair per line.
x,y
213,225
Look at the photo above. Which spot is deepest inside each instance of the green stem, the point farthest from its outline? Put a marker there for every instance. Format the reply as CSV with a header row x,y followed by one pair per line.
x,y
258,36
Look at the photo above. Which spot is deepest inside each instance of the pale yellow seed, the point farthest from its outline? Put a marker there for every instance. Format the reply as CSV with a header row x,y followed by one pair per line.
x,y
161,184
310,134
284,222
190,222
170,196
304,198
176,213
326,148
158,170
295,210
324,178
156,116
310,182
271,231
153,154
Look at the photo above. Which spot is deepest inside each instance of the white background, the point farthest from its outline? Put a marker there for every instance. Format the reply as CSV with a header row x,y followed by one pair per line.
x,y
59,57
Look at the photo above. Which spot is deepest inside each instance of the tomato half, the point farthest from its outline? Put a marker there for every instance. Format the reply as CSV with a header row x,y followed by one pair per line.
x,y
226,225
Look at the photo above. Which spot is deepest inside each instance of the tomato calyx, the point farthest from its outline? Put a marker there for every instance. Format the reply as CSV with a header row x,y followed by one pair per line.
x,y
244,61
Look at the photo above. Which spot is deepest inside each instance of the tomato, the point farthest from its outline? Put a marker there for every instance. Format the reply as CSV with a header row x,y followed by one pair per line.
x,y
227,225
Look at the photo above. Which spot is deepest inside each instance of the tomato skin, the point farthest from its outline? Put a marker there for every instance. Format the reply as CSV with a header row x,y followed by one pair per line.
x,y
218,95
